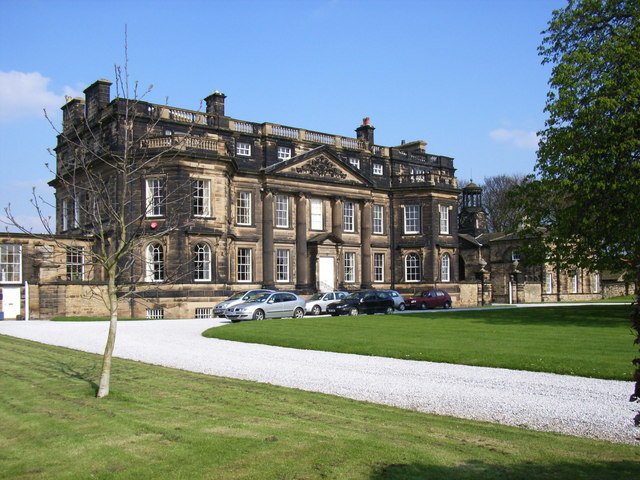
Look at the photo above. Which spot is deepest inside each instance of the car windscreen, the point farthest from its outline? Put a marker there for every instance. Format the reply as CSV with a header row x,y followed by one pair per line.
x,y
236,296
260,297
317,296
354,296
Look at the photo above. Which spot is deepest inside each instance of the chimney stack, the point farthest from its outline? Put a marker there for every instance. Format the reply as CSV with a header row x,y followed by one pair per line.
x,y
365,131
97,96
215,103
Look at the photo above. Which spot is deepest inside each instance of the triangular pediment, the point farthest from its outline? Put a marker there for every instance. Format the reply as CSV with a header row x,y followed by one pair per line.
x,y
318,164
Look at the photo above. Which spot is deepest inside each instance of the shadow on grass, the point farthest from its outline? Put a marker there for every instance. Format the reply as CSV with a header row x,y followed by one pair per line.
x,y
594,316
529,470
87,375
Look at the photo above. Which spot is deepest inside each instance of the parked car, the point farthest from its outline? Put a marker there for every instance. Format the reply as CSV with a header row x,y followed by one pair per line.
x,y
318,303
368,301
236,298
429,299
267,305
398,301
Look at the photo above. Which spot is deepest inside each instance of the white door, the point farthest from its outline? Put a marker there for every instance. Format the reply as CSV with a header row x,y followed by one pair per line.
x,y
11,301
326,275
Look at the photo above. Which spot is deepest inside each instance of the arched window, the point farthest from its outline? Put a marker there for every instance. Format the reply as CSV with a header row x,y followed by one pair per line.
x,y
412,267
155,263
202,262
445,268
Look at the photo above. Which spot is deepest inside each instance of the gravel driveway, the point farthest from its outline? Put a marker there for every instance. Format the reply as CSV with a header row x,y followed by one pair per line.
x,y
541,401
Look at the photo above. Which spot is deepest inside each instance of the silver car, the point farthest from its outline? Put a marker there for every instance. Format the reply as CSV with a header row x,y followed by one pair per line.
x,y
398,301
318,303
267,305
237,298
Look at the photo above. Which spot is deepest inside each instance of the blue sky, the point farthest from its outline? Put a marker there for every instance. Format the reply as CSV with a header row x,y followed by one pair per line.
x,y
464,75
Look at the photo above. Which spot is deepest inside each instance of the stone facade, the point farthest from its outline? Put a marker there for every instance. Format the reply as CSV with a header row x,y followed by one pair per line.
x,y
260,205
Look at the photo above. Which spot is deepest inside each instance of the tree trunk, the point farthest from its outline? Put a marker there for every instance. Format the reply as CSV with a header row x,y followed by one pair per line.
x,y
635,322
105,377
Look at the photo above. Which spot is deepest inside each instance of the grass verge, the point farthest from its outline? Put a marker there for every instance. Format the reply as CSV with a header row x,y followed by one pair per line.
x,y
165,423
590,341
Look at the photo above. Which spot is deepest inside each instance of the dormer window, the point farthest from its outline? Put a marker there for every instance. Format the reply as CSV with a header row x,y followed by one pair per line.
x,y
243,149
284,153
378,169
354,162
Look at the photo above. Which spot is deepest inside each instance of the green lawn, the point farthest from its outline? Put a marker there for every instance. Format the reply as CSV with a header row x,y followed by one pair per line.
x,y
591,341
170,424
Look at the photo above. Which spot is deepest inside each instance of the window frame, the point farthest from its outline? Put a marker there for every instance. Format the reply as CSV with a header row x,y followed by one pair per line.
x,y
244,212
155,264
243,149
354,162
284,153
155,196
202,262
75,263
317,216
549,282
282,214
201,197
377,168
443,213
378,223
414,219
10,263
283,262
413,271
349,265
378,267
445,268
348,216
246,274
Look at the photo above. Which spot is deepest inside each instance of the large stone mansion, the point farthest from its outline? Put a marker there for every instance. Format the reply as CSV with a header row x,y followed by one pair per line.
x,y
266,205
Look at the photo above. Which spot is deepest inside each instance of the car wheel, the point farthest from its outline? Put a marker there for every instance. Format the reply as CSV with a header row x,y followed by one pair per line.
x,y
353,311
401,307
447,305
258,315
423,306
316,310
389,311
298,313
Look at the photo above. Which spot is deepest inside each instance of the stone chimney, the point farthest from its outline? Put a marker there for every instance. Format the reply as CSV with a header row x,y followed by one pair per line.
x,y
365,131
215,103
72,111
97,96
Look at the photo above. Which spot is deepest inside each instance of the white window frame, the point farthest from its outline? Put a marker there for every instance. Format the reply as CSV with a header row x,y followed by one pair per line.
x,y
154,263
76,211
284,153
549,282
378,267
411,219
65,214
445,268
444,219
378,168
574,283
202,262
354,162
75,263
282,265
243,149
595,283
10,263
349,267
412,268
201,197
348,217
244,265
378,219
282,211
316,207
155,196
243,208
417,174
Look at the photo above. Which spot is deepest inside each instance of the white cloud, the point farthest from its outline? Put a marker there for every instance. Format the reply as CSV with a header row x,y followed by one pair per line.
x,y
24,95
517,138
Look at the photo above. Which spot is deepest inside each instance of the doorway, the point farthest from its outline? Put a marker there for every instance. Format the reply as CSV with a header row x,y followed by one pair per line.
x,y
326,274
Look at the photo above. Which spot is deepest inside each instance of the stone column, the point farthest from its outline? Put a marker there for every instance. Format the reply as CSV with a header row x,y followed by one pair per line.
x,y
336,217
302,262
267,240
365,239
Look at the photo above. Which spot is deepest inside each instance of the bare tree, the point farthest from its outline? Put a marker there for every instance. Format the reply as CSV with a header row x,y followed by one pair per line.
x,y
102,162
504,214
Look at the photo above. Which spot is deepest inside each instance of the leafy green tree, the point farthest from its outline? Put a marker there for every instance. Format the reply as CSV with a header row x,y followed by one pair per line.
x,y
582,204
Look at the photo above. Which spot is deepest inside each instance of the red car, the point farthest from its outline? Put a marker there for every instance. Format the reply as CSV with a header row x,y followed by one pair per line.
x,y
429,299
